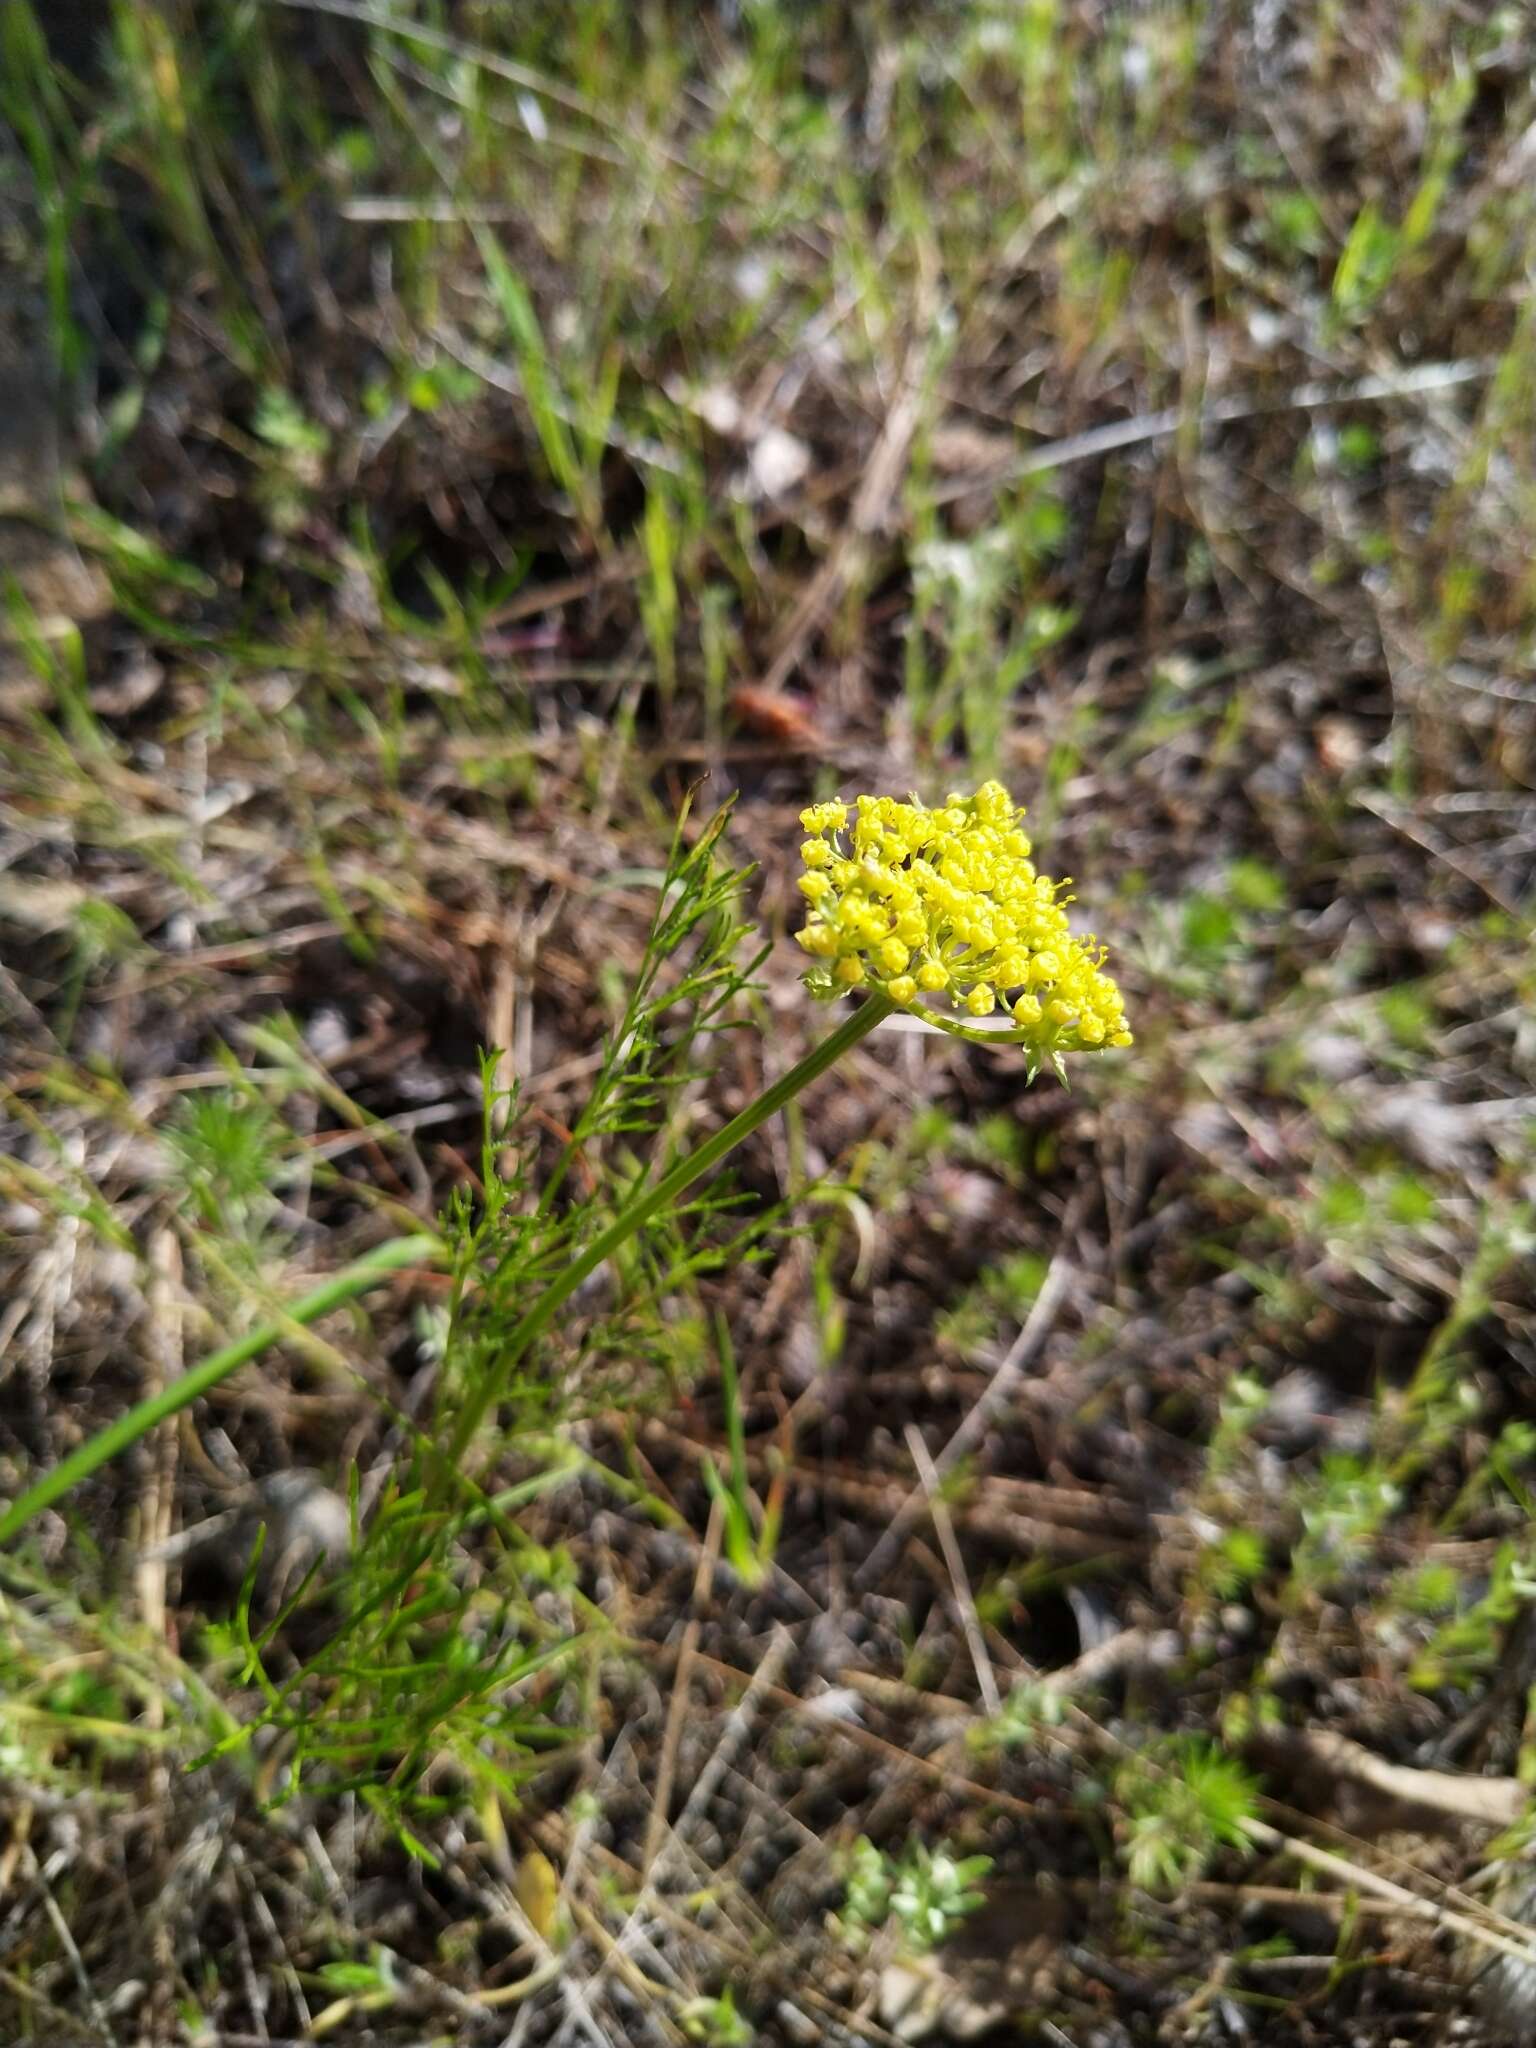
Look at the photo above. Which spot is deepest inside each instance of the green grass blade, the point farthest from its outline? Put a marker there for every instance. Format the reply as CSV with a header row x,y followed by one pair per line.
x,y
117,1436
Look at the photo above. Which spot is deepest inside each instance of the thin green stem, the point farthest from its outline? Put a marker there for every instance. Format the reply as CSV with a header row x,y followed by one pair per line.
x,y
654,1201
388,1258
139,1420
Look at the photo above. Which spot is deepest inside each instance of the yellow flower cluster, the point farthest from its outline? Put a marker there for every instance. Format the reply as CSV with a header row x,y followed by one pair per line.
x,y
910,902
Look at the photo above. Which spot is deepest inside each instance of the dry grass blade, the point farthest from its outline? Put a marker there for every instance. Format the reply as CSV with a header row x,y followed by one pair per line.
x,y
436,452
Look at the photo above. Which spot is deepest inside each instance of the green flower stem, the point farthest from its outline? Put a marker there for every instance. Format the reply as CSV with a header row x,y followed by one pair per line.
x,y
675,1182
406,1251
140,1420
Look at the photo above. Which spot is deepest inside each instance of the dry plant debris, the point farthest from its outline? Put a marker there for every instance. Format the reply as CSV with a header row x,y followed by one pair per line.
x,y
433,442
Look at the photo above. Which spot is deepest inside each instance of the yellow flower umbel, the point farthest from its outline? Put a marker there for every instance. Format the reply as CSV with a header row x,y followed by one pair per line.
x,y
910,903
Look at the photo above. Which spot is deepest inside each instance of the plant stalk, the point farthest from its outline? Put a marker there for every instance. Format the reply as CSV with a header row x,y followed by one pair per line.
x,y
653,1201
404,1251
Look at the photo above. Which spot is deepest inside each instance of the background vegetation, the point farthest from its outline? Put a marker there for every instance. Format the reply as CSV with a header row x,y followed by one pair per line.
x,y
1054,1560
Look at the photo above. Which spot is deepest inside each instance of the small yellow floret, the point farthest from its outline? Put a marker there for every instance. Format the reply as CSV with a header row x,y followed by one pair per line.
x,y
909,901
825,817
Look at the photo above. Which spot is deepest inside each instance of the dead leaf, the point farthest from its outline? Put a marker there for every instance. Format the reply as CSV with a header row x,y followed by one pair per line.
x,y
775,715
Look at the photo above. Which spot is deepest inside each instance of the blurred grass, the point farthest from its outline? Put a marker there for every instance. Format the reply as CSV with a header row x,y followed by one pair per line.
x,y
490,420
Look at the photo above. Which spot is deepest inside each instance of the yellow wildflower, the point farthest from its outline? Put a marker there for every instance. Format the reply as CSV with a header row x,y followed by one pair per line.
x,y
906,902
